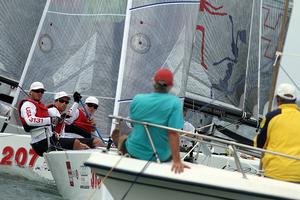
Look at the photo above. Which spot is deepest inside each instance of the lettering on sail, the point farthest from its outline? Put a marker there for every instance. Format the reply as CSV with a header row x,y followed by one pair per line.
x,y
270,30
206,6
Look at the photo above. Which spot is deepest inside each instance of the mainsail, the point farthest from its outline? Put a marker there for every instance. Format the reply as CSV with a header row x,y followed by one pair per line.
x,y
220,51
229,71
18,23
227,64
78,49
221,57
160,34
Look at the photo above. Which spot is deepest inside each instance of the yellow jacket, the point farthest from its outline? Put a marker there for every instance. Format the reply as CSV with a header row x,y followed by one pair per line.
x,y
280,132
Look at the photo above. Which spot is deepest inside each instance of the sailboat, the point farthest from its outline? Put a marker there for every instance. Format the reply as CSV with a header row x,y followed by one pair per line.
x,y
70,54
19,22
77,181
130,178
232,77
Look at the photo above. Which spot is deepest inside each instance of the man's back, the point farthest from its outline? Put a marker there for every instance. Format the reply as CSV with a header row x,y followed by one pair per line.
x,y
158,108
283,135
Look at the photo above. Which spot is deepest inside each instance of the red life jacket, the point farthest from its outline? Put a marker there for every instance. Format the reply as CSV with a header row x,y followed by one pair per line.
x,y
83,122
59,126
41,111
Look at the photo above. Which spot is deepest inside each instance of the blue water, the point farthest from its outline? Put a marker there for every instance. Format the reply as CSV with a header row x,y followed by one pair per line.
x,y
15,187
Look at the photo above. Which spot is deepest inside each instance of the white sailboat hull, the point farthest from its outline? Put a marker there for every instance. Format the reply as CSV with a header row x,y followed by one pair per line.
x,y
156,181
85,184
18,158
74,180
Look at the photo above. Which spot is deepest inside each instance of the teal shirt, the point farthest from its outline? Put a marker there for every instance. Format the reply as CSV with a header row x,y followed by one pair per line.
x,y
157,108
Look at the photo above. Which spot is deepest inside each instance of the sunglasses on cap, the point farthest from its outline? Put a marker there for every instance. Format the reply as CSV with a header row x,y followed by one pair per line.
x,y
63,101
92,105
38,91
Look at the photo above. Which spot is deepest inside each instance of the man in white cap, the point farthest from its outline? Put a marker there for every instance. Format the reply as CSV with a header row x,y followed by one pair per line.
x,y
81,123
280,132
38,121
61,101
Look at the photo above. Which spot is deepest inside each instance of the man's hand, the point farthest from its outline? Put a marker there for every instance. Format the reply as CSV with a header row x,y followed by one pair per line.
x,y
178,167
77,97
56,120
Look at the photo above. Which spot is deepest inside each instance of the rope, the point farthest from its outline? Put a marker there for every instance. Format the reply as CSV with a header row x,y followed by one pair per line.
x,y
89,117
137,176
106,176
291,79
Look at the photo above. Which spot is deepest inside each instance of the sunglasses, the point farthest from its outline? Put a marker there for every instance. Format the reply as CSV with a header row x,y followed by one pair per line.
x,y
92,105
38,91
63,101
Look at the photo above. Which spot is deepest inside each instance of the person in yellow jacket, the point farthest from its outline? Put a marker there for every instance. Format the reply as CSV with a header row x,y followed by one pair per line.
x,y
280,132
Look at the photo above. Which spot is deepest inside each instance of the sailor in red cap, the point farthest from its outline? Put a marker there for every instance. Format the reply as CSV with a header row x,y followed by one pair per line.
x,y
161,108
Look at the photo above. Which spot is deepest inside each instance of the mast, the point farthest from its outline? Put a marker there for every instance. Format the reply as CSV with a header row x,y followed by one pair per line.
x,y
278,51
259,57
35,41
122,61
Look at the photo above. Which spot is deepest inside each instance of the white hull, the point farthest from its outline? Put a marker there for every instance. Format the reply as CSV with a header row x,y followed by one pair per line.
x,y
18,158
156,181
74,180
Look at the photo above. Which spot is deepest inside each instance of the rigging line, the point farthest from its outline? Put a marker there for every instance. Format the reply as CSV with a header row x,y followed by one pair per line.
x,y
288,54
259,58
237,122
291,79
86,14
248,55
209,103
137,176
163,4
23,91
228,126
89,117
10,112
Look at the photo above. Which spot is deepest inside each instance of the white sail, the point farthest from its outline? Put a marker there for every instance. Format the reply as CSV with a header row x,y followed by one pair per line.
x,y
78,49
18,23
156,40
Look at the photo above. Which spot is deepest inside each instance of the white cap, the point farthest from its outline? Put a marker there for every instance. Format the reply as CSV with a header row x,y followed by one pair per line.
x,y
60,95
286,91
91,99
36,86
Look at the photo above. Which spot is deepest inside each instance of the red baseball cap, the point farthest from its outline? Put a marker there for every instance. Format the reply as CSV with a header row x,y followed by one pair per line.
x,y
164,76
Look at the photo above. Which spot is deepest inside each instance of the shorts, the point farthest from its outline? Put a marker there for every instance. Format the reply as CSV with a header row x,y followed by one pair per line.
x,y
87,141
75,129
61,144
42,146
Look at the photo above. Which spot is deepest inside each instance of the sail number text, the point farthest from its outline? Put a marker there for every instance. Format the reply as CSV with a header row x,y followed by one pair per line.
x,y
20,157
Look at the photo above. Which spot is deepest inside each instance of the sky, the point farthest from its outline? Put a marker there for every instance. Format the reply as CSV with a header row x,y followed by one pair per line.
x,y
291,64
